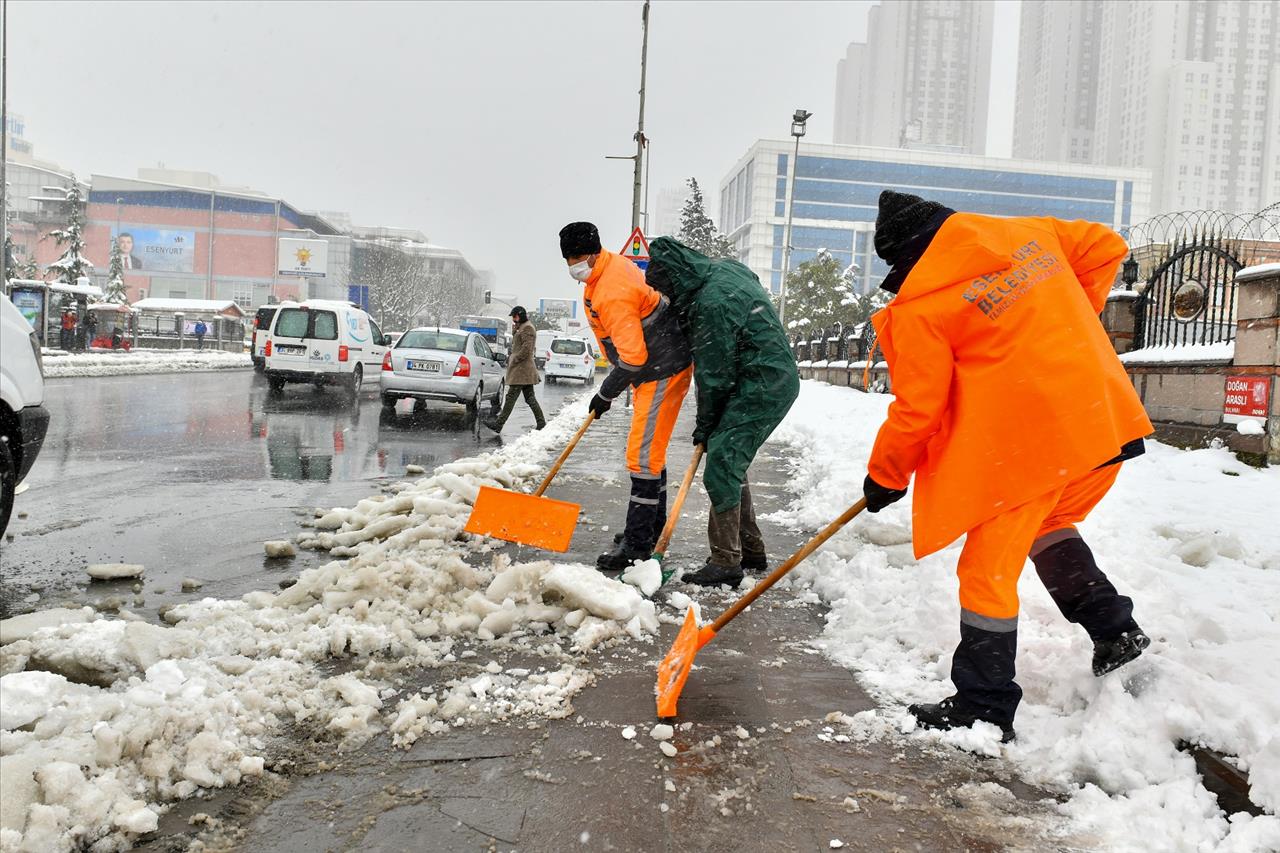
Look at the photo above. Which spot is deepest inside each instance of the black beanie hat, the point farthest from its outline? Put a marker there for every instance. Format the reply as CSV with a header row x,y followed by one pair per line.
x,y
901,217
579,238
520,314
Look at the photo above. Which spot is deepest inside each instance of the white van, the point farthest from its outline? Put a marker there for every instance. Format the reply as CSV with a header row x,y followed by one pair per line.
x,y
571,358
323,342
541,349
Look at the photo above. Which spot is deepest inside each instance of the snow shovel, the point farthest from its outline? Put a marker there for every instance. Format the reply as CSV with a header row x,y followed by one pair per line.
x,y
668,529
674,669
529,519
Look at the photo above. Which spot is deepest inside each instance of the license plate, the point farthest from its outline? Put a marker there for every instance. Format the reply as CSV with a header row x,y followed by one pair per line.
x,y
290,350
568,364
423,366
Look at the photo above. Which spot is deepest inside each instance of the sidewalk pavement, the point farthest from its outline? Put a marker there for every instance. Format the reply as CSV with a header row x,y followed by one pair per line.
x,y
760,767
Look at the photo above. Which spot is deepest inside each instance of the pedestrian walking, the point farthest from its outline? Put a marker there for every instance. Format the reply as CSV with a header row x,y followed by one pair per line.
x,y
201,330
639,332
522,372
66,337
90,327
1014,413
747,380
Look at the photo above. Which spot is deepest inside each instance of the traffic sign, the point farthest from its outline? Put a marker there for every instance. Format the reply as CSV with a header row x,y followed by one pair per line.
x,y
637,248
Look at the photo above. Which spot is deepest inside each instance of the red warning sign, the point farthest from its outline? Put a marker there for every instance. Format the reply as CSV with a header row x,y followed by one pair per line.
x,y
637,247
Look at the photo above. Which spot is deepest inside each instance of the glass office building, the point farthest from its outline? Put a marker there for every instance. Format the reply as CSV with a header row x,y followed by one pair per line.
x,y
837,187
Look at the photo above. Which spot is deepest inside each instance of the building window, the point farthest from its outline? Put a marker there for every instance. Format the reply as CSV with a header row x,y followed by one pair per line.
x,y
242,294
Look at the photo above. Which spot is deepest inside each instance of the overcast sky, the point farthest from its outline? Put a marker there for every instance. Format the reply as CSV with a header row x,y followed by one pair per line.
x,y
484,125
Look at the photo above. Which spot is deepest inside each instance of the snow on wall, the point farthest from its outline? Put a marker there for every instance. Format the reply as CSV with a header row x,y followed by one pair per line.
x,y
1191,536
58,364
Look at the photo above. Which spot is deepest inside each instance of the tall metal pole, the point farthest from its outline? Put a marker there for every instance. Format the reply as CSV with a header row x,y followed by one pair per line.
x,y
637,181
786,235
4,140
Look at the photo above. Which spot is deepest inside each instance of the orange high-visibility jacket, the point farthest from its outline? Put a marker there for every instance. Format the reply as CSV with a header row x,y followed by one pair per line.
x,y
1005,383
617,299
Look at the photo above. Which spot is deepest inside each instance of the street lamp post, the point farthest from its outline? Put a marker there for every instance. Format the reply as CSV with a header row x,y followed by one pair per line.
x,y
797,130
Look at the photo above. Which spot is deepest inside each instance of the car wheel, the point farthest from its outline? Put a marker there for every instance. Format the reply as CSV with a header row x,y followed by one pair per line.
x,y
259,365
551,380
356,381
8,484
474,405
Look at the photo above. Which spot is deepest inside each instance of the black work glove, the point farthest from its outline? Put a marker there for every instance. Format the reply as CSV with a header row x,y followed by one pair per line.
x,y
878,496
699,438
599,405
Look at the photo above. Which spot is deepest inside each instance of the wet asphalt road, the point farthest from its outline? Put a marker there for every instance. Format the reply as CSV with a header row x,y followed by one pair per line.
x,y
189,473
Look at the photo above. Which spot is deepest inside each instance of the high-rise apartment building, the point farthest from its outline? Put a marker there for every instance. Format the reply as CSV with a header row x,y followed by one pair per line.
x,y
1189,89
921,78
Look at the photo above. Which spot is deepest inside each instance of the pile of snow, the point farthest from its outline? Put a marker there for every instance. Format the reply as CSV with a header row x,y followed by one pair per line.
x,y
58,364
1191,536
105,721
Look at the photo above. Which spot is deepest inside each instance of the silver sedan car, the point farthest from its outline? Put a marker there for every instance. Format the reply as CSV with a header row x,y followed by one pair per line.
x,y
452,365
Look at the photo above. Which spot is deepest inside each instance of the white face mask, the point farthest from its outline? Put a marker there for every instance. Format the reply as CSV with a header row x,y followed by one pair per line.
x,y
581,270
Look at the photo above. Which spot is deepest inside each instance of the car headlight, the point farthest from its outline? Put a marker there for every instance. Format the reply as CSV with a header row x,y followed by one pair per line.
x,y
35,348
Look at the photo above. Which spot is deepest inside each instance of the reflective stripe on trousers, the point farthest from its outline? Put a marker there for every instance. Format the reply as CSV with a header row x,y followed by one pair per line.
x,y
655,408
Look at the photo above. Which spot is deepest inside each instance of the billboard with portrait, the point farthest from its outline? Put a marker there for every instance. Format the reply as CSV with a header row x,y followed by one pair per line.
x,y
156,249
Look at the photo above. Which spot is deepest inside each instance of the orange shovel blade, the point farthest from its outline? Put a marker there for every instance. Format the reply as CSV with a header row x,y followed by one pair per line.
x,y
525,519
674,669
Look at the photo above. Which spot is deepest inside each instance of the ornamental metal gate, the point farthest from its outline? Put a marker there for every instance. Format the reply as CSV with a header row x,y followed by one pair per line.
x,y
1190,298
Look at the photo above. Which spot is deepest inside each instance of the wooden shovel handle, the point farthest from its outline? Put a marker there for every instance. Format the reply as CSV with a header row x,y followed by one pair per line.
x,y
776,575
573,442
670,527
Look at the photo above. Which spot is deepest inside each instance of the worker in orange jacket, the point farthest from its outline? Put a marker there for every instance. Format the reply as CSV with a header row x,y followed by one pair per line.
x,y
1014,414
640,333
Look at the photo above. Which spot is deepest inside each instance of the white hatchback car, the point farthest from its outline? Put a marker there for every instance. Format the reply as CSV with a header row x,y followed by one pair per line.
x,y
571,358
443,364
322,342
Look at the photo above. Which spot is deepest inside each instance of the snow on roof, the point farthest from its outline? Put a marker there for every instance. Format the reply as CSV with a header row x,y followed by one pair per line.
x,y
1258,271
76,289
198,306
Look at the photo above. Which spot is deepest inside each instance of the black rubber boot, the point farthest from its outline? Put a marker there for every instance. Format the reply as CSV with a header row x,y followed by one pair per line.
x,y
982,670
621,557
954,713
754,562
713,575
1110,655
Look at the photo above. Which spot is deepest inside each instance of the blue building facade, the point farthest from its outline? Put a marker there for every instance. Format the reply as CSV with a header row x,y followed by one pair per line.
x,y
837,188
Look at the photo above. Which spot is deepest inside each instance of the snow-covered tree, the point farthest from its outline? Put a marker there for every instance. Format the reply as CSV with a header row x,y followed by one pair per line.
x,y
820,292
115,275
73,264
698,231
542,322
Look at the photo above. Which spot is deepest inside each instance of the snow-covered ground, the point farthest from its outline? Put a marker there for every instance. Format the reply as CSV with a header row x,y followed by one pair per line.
x,y
58,363
104,720
1192,536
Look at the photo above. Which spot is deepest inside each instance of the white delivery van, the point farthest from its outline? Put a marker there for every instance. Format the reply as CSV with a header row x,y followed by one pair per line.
x,y
323,342
23,418
542,347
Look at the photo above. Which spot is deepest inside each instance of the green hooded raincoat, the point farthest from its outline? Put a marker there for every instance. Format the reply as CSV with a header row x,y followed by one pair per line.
x,y
744,369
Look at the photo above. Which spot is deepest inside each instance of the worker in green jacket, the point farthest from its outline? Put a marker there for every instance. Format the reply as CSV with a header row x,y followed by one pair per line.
x,y
747,381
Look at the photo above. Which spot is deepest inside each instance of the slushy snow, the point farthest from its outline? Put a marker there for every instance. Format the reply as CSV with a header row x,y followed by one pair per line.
x,y
1191,536
106,721
59,364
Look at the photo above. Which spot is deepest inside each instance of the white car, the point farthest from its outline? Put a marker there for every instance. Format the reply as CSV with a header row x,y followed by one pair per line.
x,y
571,358
452,365
23,418
323,342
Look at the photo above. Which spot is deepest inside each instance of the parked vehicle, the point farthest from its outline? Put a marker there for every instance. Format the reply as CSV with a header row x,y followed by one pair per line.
x,y
392,338
452,365
261,327
571,358
543,347
496,331
23,418
322,342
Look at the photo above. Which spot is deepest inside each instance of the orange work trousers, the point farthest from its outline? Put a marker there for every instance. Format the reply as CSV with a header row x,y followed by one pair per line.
x,y
654,409
996,550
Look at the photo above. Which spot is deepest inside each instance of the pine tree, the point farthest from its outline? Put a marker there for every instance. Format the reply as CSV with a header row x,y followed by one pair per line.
x,y
698,231
115,275
819,293
73,265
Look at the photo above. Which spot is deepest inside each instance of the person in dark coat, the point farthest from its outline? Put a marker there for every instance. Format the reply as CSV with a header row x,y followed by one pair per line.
x,y
747,380
90,328
522,372
201,331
